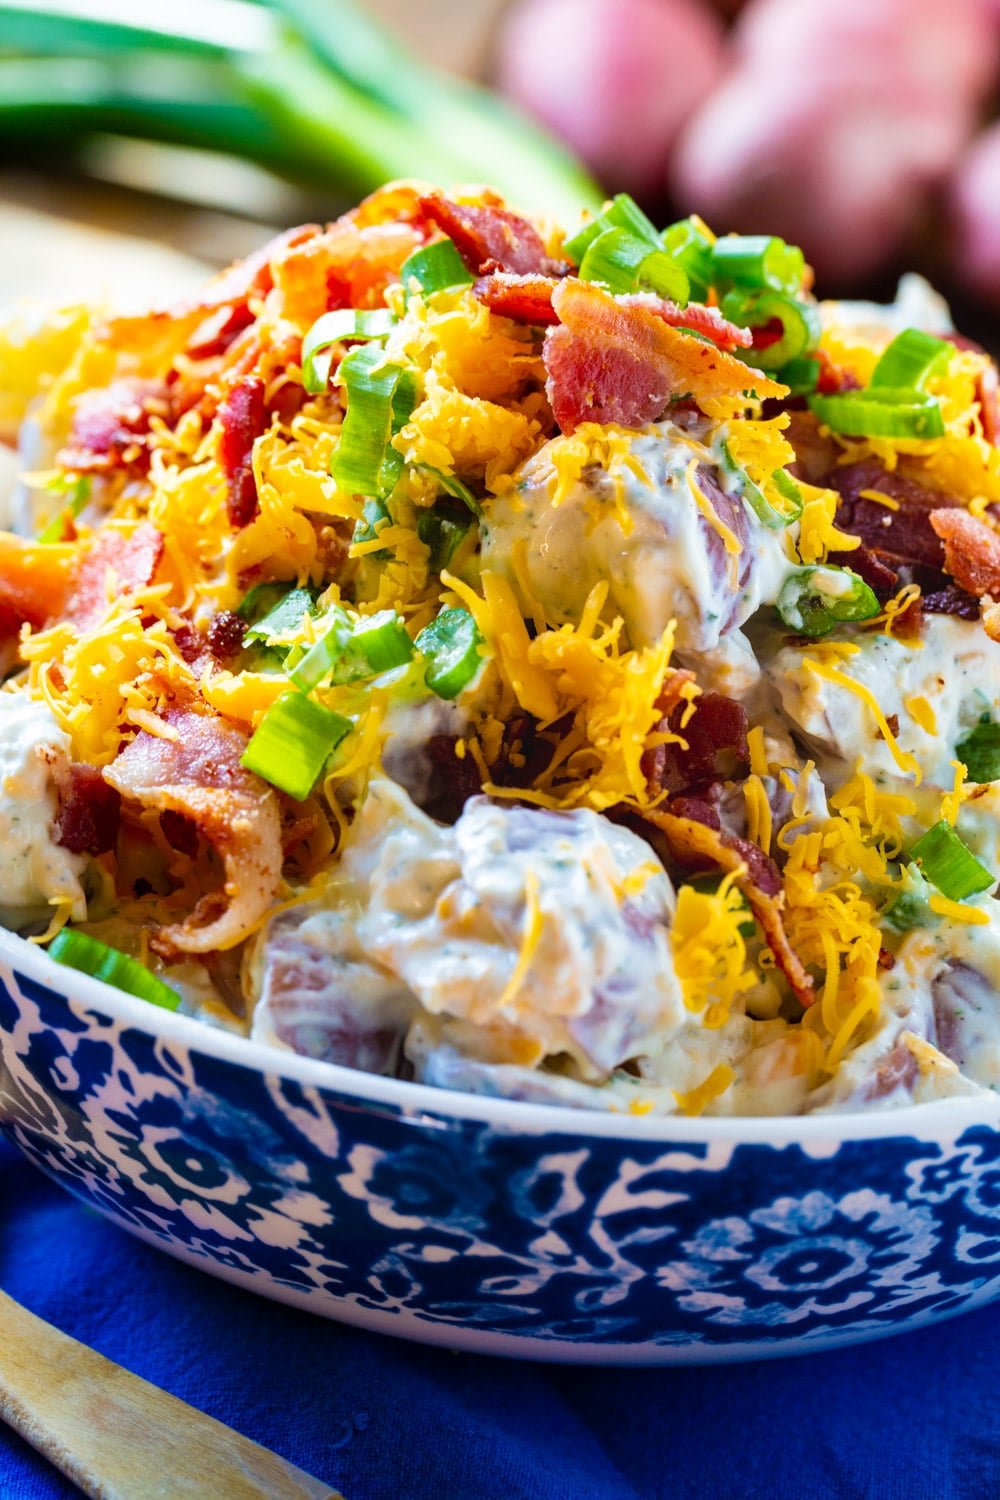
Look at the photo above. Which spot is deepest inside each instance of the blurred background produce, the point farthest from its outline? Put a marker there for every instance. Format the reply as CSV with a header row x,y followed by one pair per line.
x,y
863,130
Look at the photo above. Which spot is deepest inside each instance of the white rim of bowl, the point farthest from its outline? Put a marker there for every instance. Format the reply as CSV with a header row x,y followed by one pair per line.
x,y
941,1118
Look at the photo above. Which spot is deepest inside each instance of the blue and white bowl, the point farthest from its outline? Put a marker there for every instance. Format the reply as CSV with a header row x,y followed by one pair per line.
x,y
489,1225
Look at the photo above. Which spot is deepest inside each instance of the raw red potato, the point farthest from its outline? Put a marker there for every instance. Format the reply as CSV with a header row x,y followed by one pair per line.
x,y
837,120
616,79
975,205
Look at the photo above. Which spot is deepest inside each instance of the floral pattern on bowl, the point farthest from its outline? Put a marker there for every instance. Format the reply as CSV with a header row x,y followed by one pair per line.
x,y
490,1225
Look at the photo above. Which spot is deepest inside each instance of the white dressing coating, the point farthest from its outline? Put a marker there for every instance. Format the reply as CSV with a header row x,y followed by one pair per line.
x,y
35,871
664,563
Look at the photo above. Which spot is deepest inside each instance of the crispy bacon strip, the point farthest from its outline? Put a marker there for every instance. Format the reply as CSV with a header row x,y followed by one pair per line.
x,y
491,239
714,745
198,775
688,834
526,299
619,362
695,317
242,419
110,428
89,810
971,551
133,560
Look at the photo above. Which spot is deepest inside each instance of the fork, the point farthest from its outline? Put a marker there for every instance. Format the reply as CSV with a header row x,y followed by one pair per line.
x,y
119,1438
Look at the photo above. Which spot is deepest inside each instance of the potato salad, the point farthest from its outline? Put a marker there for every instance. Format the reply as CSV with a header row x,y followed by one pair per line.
x,y
559,663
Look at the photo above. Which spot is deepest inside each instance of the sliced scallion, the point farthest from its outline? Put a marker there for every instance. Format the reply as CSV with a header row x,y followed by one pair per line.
x,y
911,357
621,213
887,411
293,742
911,908
687,243
382,641
77,950
321,658
622,262
979,751
442,536
75,492
453,486
435,268
759,307
380,397
332,328
757,260
450,646
949,864
283,618
801,375
814,600
767,514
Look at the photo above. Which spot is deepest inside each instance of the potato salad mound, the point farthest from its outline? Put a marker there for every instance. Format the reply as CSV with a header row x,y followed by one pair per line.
x,y
557,663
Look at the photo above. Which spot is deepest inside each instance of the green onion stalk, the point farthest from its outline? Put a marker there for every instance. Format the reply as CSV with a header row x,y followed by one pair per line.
x,y
311,89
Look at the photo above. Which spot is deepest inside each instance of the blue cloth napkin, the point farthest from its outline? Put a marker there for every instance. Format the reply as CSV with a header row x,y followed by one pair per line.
x,y
914,1418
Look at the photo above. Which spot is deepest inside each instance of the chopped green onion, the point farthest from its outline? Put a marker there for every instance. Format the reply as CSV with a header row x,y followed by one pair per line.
x,y
373,517
624,263
757,308
949,864
813,600
382,641
293,742
889,411
442,536
453,486
979,752
77,493
380,397
767,514
910,359
621,213
283,618
757,260
450,644
332,328
435,268
261,598
321,658
801,375
687,243
79,951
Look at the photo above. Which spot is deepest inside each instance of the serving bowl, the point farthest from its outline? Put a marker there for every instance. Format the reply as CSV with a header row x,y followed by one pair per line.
x,y
490,1225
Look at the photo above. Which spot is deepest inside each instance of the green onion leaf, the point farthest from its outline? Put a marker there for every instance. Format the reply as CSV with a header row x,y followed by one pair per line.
x,y
435,268
621,213
767,514
321,658
760,307
283,618
801,375
979,752
687,243
380,397
78,951
949,864
453,486
332,328
76,489
442,536
757,260
889,411
450,645
911,907
813,600
293,742
381,640
624,263
910,359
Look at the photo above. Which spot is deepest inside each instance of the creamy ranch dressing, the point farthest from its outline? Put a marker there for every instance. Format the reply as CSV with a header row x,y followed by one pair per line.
x,y
34,871
661,565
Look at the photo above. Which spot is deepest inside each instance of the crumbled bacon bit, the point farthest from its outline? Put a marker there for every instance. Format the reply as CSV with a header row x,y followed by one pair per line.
x,y
618,361
110,428
526,299
695,318
714,746
971,551
215,333
133,560
242,418
225,634
89,814
491,239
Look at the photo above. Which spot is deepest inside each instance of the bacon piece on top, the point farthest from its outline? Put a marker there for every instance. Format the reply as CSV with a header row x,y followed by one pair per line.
x,y
115,565
971,551
619,362
242,419
110,428
89,810
197,773
696,317
491,239
526,299
714,746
